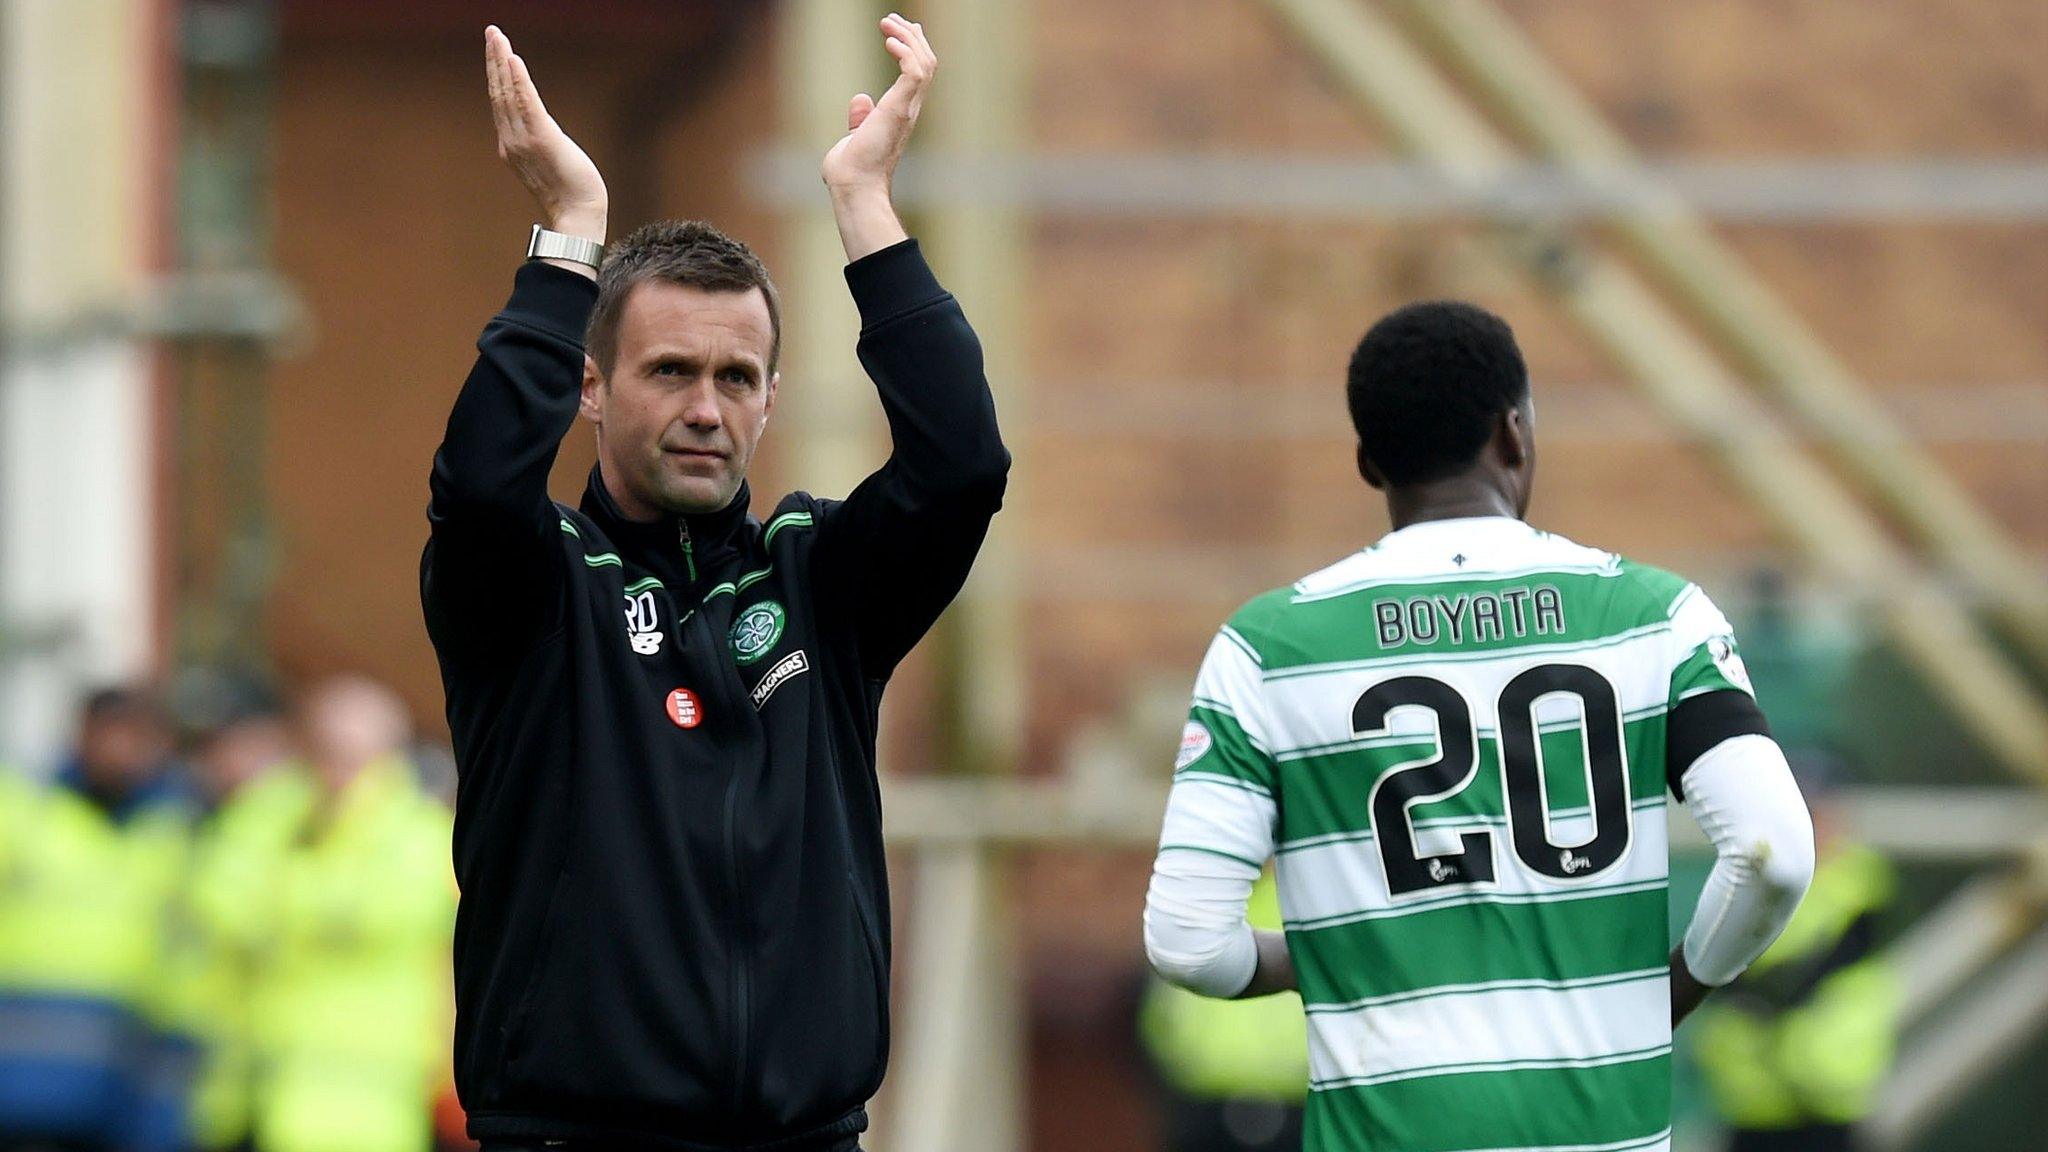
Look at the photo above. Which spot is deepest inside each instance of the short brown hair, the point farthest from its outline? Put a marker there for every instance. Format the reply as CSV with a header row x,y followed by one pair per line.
x,y
686,252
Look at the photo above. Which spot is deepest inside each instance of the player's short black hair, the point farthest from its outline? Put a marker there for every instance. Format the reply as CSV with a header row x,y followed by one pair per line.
x,y
1427,384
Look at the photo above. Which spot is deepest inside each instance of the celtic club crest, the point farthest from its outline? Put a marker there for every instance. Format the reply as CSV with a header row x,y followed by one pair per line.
x,y
756,631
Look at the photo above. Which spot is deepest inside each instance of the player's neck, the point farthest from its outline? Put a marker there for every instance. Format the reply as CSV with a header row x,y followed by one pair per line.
x,y
1455,498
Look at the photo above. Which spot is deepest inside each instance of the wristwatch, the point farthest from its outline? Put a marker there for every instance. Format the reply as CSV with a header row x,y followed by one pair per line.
x,y
547,245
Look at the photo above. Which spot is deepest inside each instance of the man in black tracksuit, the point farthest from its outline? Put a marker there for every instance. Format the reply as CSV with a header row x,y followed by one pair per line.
x,y
674,929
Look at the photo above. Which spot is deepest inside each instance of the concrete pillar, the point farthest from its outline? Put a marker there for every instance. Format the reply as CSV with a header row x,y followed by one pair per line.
x,y
78,139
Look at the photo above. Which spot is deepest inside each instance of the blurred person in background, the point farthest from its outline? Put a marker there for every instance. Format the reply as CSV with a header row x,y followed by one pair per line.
x,y
90,864
333,887
1233,1073
1794,1051
236,736
234,731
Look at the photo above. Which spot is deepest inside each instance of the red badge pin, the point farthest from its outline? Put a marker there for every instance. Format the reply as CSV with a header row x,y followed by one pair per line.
x,y
685,709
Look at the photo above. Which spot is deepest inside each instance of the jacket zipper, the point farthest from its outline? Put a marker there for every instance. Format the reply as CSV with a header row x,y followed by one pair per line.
x,y
737,969
742,1024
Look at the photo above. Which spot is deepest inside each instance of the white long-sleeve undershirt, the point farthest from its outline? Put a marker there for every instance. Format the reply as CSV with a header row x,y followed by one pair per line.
x,y
1742,794
1196,934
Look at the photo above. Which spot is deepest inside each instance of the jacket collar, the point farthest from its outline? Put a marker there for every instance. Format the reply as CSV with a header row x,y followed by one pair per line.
x,y
709,531
158,789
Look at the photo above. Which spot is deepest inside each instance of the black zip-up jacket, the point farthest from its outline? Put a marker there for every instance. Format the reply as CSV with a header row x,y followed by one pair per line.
x,y
674,929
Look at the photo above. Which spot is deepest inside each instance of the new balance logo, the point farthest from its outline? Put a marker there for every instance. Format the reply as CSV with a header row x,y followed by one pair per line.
x,y
643,624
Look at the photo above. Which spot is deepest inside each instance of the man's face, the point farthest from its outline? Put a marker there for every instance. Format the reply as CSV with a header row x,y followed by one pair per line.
x,y
347,722
121,751
239,753
688,396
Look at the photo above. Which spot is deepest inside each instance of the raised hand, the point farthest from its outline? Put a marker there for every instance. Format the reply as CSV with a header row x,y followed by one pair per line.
x,y
859,168
563,181
877,130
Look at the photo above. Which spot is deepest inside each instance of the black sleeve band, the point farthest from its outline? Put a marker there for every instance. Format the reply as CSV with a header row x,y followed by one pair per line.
x,y
1700,722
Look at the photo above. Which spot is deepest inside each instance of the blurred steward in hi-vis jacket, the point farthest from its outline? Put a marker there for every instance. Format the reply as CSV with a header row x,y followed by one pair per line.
x,y
235,736
90,863
328,892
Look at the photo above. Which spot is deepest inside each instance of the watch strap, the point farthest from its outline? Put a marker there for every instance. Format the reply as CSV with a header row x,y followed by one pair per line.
x,y
546,245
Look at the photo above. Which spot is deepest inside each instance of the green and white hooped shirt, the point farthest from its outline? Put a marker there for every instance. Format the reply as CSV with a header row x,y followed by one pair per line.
x,y
1454,743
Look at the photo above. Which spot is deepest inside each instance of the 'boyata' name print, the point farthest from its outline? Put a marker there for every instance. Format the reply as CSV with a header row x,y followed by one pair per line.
x,y
1469,617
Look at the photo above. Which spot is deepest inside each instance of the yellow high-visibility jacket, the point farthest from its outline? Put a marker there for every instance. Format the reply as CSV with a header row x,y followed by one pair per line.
x,y
341,916
84,899
211,965
1806,1035
85,911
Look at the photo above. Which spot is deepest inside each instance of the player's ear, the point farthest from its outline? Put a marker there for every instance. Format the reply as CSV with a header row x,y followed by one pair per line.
x,y
590,405
768,404
1513,438
1372,475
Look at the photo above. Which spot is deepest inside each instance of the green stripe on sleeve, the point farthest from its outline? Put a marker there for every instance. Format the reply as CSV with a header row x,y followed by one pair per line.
x,y
1212,852
1231,752
786,520
1238,641
1701,672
